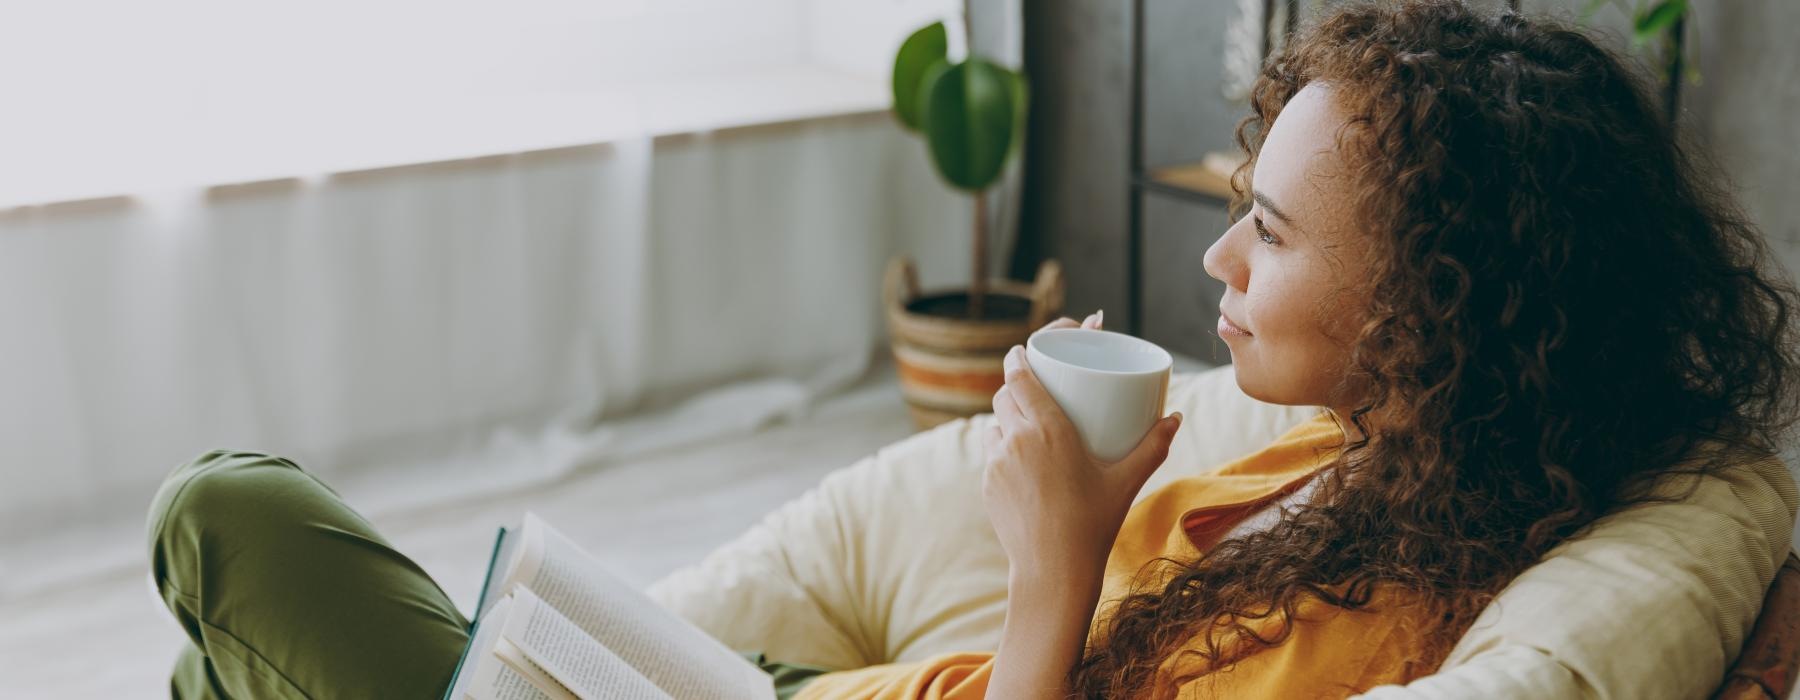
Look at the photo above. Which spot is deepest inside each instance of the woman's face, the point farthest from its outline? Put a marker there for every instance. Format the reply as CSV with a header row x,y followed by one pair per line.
x,y
1290,269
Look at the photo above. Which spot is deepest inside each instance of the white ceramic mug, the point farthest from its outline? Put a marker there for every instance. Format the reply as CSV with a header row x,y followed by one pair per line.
x,y
1110,385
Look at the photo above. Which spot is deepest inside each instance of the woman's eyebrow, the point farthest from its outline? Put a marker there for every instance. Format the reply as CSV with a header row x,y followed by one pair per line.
x,y
1269,204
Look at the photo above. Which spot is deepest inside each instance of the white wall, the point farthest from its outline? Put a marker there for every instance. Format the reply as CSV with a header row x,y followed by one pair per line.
x,y
101,92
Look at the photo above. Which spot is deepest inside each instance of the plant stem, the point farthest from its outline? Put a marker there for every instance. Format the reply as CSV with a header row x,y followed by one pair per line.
x,y
968,33
978,284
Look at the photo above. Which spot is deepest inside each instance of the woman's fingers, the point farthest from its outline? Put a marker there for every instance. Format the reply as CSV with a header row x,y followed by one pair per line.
x,y
1092,321
1022,384
1006,408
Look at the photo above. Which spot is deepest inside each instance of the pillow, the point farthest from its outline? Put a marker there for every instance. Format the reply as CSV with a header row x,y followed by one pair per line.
x,y
1653,602
891,559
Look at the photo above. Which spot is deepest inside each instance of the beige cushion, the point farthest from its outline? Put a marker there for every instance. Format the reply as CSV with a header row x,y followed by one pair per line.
x,y
892,559
1654,602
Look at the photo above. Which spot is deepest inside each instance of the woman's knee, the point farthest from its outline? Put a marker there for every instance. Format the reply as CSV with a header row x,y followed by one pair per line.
x,y
221,496
269,571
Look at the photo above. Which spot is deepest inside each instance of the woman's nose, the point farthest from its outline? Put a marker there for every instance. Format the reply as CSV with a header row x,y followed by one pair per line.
x,y
1222,262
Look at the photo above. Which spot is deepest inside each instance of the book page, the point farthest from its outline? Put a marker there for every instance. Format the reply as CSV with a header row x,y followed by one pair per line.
x,y
520,663
570,656
677,656
496,680
484,676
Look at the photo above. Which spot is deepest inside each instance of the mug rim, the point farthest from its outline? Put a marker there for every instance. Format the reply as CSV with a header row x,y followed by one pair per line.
x,y
1166,364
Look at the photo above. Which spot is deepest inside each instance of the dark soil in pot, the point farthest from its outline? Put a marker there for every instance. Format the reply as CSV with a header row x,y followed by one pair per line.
x,y
994,306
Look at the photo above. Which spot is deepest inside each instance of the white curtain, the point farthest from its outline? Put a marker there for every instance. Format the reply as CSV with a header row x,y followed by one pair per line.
x,y
451,327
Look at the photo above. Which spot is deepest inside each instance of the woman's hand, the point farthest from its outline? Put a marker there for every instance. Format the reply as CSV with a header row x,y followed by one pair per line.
x,y
1057,511
1056,508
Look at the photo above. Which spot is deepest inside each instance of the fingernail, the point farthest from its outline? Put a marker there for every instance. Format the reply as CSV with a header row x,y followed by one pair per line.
x,y
1100,315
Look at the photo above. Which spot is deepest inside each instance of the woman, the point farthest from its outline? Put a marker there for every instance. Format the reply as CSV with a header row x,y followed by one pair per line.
x,y
1471,241
1476,243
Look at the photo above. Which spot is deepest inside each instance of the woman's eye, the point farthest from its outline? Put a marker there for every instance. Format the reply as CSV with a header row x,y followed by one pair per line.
x,y
1262,232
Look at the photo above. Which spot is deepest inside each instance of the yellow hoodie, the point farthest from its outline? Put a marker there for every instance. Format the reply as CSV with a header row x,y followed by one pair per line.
x,y
1329,653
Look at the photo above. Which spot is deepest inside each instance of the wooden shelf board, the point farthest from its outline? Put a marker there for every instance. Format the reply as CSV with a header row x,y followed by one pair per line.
x,y
1209,177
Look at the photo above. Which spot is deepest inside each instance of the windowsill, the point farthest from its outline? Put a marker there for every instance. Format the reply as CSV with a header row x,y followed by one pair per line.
x,y
243,143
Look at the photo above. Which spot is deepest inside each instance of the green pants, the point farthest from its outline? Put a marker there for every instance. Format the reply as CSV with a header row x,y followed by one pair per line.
x,y
285,592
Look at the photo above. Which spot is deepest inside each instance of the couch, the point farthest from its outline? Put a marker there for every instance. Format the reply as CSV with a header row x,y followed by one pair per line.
x,y
891,559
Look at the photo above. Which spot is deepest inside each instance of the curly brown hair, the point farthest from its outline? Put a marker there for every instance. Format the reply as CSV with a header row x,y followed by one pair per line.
x,y
1566,302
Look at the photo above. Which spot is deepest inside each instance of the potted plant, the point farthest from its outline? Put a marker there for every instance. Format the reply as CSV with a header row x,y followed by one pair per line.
x,y
949,344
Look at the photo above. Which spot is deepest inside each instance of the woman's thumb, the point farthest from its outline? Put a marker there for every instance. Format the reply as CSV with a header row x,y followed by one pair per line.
x,y
1152,450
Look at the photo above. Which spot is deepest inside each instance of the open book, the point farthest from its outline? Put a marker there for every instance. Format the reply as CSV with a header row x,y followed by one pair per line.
x,y
554,624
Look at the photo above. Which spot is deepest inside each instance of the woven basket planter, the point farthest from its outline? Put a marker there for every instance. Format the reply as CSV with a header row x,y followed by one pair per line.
x,y
951,365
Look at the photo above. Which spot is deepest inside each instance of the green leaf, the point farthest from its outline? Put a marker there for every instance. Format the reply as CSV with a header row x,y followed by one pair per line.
x,y
971,117
1021,98
925,47
1657,20
922,98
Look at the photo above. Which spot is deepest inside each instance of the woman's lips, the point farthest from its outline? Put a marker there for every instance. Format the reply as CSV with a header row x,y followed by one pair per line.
x,y
1228,329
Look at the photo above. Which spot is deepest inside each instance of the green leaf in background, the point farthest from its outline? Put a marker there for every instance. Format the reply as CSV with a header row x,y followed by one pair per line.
x,y
969,122
1657,20
919,52
922,98
1021,100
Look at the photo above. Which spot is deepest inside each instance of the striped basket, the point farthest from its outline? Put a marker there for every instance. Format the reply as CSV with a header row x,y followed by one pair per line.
x,y
950,367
